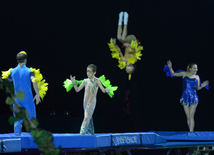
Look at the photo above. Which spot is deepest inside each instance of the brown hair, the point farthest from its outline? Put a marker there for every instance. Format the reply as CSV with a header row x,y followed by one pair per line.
x,y
93,67
190,66
20,57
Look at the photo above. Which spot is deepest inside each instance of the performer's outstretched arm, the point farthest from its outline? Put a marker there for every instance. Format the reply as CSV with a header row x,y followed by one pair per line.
x,y
199,87
169,63
36,97
102,88
77,89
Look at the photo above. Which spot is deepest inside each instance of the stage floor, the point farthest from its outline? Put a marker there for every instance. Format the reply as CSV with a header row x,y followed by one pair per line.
x,y
137,140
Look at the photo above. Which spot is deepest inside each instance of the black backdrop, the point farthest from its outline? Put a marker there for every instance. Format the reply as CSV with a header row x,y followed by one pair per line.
x,y
63,37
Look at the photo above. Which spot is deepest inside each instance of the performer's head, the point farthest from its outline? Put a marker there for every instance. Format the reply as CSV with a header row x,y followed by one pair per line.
x,y
21,57
130,68
192,68
91,70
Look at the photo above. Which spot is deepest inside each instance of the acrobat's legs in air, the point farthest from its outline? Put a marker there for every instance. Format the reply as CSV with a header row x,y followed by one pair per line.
x,y
122,33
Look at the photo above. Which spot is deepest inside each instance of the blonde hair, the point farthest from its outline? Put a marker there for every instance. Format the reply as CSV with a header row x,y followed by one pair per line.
x,y
190,66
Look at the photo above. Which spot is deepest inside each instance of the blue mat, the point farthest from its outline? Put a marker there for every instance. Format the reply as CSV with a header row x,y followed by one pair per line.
x,y
10,145
156,139
187,136
68,140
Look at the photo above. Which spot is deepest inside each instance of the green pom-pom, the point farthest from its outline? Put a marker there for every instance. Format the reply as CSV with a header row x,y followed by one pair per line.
x,y
108,85
69,85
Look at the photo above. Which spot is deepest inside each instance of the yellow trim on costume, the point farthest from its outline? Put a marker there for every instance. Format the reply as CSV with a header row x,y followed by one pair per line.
x,y
138,48
23,52
131,60
6,74
130,75
116,54
42,86
122,64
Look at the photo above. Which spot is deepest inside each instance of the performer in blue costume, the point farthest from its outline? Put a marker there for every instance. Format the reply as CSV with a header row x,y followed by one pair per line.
x,y
22,77
191,83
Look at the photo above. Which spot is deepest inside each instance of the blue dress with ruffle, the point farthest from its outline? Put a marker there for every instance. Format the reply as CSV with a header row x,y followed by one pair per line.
x,y
189,95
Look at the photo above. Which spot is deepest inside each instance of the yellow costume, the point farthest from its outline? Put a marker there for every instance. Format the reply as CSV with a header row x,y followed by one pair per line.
x,y
132,53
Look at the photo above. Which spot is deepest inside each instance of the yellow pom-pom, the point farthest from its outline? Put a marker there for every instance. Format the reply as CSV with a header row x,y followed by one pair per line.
x,y
130,75
42,86
138,48
122,64
115,54
132,60
5,74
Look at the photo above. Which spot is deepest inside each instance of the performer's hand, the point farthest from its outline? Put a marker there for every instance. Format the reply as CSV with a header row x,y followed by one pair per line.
x,y
72,78
106,90
114,41
169,63
37,98
118,49
204,83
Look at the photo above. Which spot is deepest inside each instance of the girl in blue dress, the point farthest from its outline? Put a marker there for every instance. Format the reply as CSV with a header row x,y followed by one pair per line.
x,y
189,98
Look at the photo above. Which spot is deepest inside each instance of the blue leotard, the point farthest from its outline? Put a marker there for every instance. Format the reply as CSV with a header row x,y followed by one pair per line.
x,y
189,95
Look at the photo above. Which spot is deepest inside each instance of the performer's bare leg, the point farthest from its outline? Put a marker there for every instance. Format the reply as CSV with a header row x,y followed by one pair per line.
x,y
122,32
119,29
190,112
91,127
125,27
87,117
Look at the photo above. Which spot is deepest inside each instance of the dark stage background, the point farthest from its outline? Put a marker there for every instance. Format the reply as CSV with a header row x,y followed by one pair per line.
x,y
63,37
